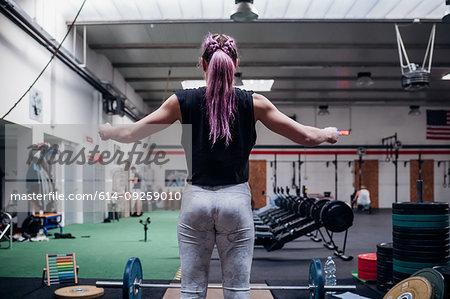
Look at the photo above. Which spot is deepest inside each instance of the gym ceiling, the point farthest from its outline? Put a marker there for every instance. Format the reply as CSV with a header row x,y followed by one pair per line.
x,y
313,49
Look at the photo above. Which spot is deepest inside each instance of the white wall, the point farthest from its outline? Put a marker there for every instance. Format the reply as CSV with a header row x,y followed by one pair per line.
x,y
369,125
67,98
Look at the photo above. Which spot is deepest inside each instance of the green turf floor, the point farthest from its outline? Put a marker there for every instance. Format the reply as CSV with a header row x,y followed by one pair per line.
x,y
103,255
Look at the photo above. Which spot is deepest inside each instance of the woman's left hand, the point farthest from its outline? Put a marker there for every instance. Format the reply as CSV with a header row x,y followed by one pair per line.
x,y
105,131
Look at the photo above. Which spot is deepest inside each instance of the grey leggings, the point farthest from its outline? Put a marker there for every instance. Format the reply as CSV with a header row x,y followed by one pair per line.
x,y
220,216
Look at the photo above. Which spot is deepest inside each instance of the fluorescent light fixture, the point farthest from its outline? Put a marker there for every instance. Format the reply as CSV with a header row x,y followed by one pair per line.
x,y
257,85
250,84
193,83
446,77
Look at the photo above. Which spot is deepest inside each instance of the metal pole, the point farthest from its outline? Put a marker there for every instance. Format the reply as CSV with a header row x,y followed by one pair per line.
x,y
335,177
396,174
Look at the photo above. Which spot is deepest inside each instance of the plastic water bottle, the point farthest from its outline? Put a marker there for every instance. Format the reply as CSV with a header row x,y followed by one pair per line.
x,y
330,273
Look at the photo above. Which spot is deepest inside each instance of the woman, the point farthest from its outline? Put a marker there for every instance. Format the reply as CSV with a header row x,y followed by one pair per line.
x,y
216,207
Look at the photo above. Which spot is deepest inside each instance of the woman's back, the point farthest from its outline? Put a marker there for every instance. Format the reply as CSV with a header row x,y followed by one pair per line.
x,y
218,164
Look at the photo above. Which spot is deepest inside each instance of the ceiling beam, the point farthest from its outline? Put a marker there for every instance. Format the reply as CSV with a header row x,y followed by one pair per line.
x,y
365,46
274,21
276,78
360,89
440,101
287,64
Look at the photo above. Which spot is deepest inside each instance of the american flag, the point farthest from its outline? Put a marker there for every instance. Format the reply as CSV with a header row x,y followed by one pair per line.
x,y
438,124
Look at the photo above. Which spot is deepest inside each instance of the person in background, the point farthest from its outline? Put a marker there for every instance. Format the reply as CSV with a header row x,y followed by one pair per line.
x,y
137,181
362,199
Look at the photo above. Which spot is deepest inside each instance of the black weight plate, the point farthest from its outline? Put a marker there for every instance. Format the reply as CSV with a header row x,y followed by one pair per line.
x,y
382,260
385,256
304,207
417,224
385,246
406,236
409,253
430,259
422,248
385,270
420,212
385,273
435,278
385,267
421,230
415,242
419,264
420,205
336,216
421,218
316,208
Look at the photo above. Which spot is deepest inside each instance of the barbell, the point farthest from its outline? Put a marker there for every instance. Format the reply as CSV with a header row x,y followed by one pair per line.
x,y
132,284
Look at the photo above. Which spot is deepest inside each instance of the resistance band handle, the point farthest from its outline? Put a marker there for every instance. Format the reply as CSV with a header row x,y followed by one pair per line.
x,y
343,132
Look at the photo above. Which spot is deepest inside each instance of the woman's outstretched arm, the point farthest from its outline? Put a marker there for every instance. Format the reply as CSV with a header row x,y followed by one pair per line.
x,y
281,124
168,113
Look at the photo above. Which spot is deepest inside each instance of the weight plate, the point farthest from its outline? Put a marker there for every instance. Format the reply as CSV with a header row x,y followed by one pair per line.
x,y
367,275
336,216
409,253
365,265
422,248
304,207
132,275
418,230
435,278
370,257
316,280
79,291
316,209
428,224
420,205
420,212
418,265
413,287
382,261
420,218
384,257
385,271
430,259
385,267
414,242
385,247
404,270
421,236
384,275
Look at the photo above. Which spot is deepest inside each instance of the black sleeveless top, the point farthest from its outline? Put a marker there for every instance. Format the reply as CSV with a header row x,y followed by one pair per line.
x,y
216,165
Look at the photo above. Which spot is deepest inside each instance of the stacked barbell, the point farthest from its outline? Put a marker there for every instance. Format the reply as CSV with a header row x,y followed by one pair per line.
x,y
132,284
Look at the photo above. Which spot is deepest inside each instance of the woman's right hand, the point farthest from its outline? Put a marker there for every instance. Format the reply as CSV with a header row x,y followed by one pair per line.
x,y
332,134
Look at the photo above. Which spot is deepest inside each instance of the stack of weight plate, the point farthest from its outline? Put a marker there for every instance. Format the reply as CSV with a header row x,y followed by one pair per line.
x,y
384,266
420,235
367,266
